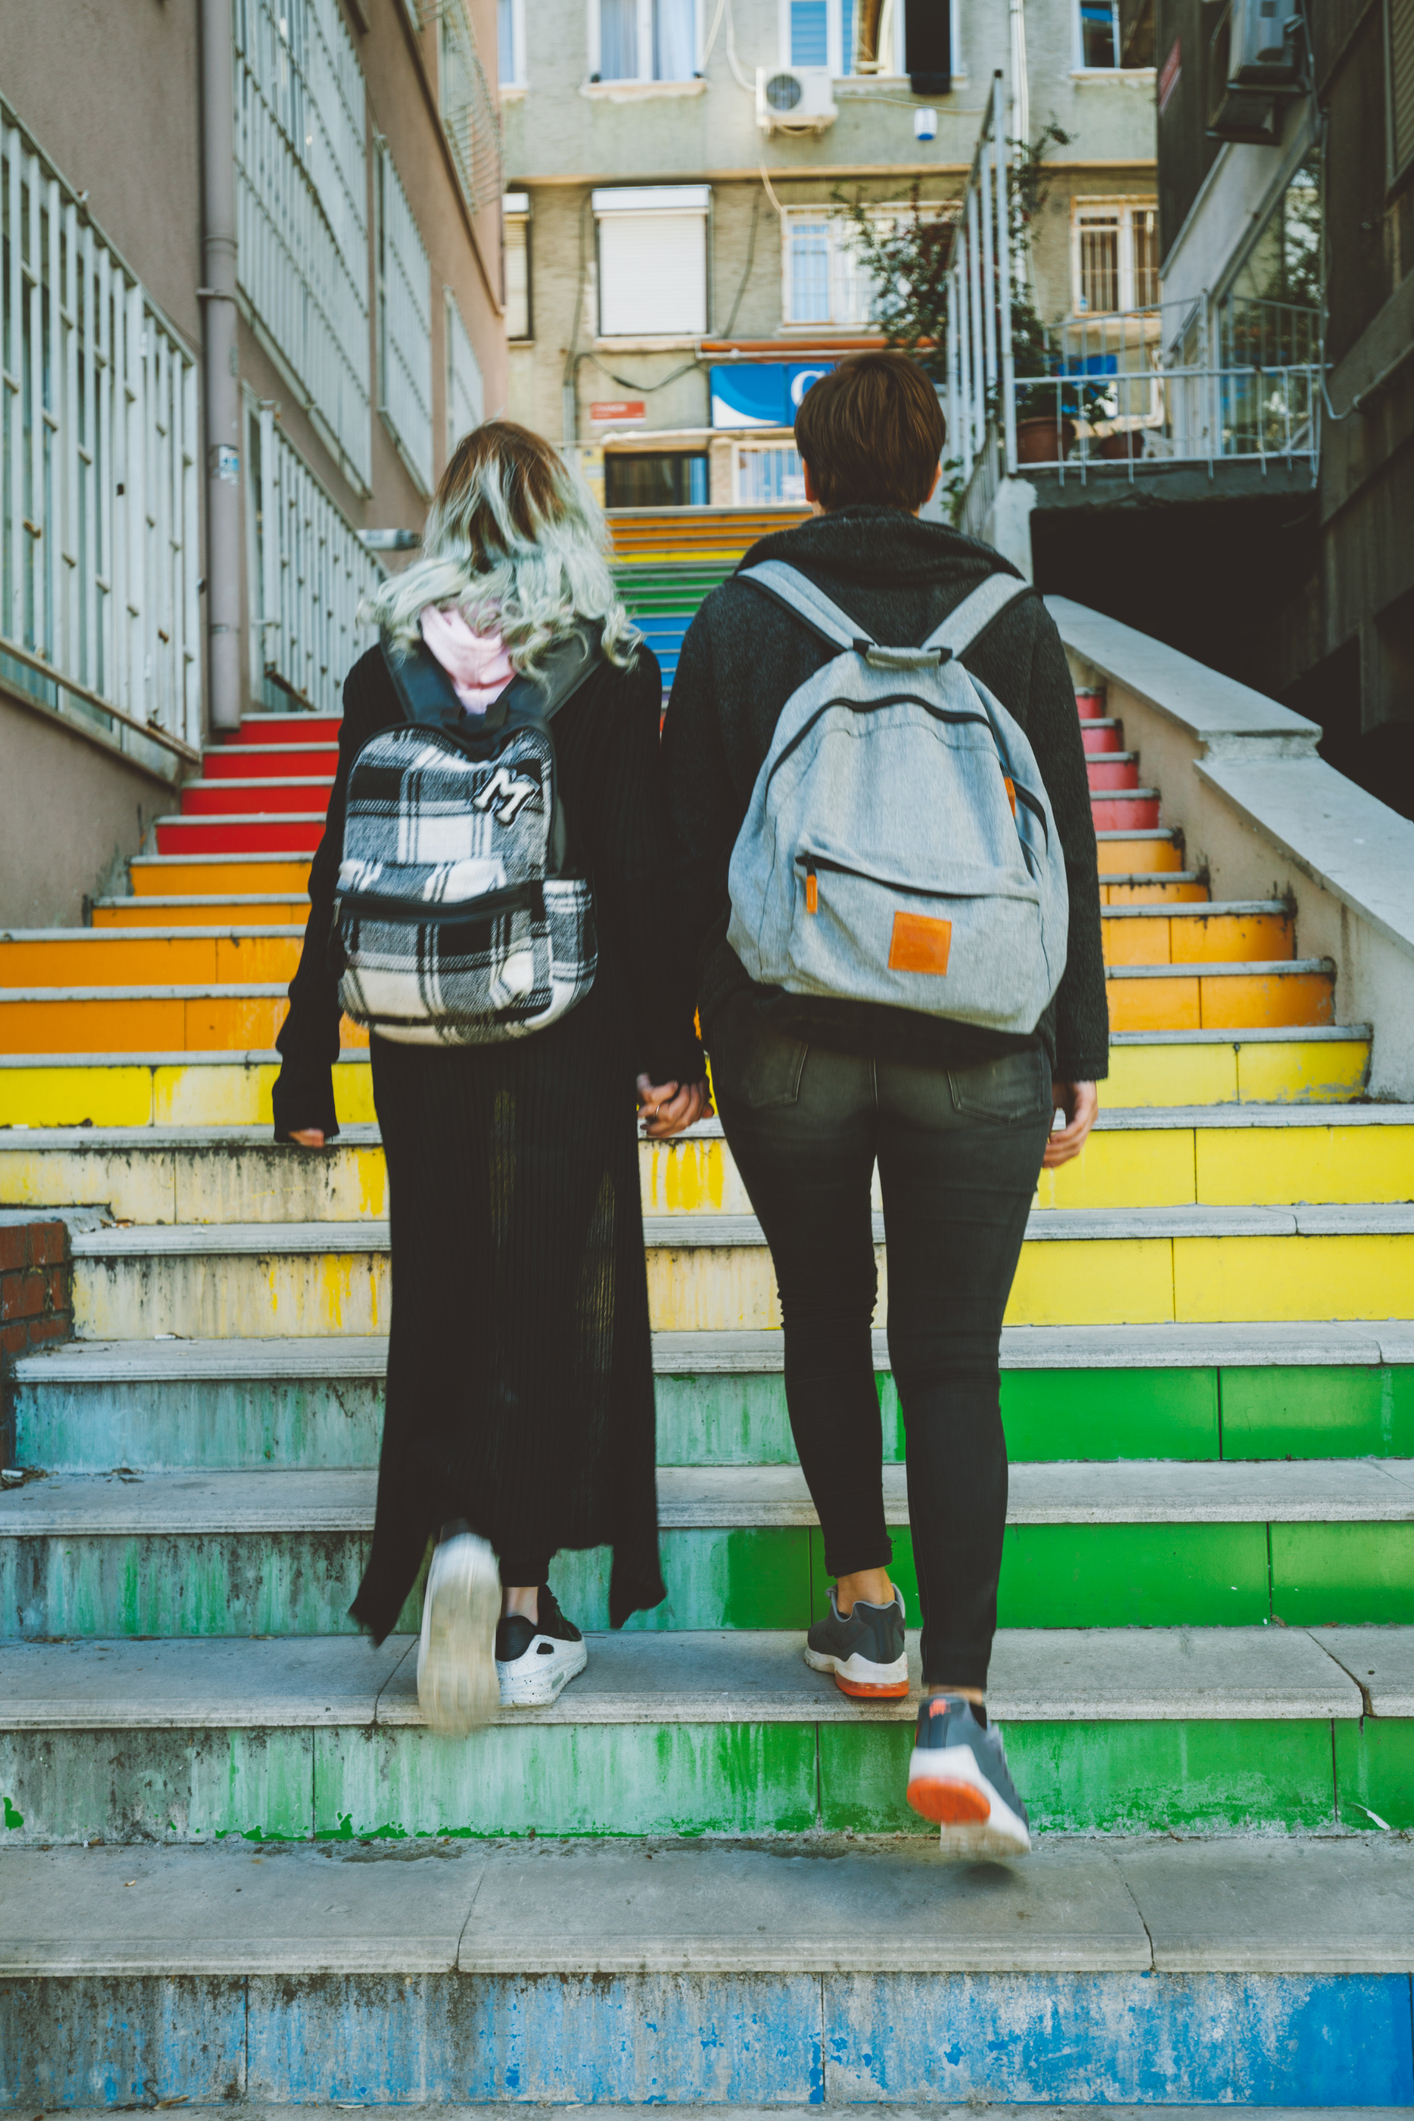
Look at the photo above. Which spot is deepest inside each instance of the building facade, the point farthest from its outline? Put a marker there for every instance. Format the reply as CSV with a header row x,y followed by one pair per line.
x,y
252,294
679,247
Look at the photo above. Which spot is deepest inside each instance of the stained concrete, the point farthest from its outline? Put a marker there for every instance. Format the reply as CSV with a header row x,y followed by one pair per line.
x,y
1338,1906
1380,1660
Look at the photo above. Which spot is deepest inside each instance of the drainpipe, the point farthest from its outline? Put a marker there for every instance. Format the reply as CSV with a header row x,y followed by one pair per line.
x,y
222,364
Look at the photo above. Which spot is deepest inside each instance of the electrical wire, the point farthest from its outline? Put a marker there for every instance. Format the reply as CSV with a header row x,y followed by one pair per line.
x,y
746,270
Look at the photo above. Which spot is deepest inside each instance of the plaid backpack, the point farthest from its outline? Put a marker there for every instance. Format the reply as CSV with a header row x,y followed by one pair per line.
x,y
457,921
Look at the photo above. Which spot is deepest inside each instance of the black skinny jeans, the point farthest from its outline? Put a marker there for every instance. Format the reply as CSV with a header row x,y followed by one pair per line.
x,y
959,1153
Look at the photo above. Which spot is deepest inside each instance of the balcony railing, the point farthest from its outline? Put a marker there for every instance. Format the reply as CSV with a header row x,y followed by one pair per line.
x,y
99,463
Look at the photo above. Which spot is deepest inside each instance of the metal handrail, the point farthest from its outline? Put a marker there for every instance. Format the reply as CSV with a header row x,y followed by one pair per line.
x,y
153,731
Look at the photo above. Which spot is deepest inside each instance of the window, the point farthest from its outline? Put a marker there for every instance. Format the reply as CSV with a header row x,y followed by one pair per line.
x,y
767,475
1114,256
645,40
510,43
515,229
1099,33
1400,32
1269,315
826,282
849,36
466,395
651,478
404,325
652,260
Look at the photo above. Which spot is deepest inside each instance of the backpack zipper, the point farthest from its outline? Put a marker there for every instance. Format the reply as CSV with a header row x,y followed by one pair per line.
x,y
367,905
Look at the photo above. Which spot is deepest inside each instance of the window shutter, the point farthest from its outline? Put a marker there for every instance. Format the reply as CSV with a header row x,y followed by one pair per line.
x,y
1401,85
652,261
927,40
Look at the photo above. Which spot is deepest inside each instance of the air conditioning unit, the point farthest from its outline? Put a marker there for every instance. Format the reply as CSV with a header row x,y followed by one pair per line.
x,y
1255,61
794,99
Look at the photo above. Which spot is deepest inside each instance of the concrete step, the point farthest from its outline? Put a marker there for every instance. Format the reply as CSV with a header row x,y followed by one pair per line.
x,y
815,1971
709,1271
1224,931
228,797
303,1739
1148,849
37,958
1211,997
252,831
1103,1392
287,729
1102,734
1151,888
235,909
1160,1544
159,874
1145,1157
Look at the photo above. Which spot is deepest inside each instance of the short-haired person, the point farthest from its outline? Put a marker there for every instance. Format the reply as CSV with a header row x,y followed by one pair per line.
x,y
813,1089
519,1414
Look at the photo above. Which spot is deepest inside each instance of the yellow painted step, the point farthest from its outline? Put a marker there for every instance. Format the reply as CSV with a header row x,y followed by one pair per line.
x,y
133,1087
159,875
1180,888
236,910
128,957
1251,995
1143,935
1146,853
94,1020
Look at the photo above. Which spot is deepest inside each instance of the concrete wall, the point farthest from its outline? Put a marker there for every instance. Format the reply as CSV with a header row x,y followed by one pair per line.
x,y
72,812
1267,818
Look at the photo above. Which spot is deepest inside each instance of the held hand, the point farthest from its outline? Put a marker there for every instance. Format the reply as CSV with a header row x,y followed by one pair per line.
x,y
308,1137
1079,1102
666,1108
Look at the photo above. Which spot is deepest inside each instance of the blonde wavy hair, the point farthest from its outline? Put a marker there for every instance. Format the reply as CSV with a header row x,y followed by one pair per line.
x,y
515,541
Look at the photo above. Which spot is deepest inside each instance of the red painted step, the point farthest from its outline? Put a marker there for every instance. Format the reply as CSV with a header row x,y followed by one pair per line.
x,y
256,762
253,798
239,835
1101,736
1125,811
1090,706
1120,771
286,729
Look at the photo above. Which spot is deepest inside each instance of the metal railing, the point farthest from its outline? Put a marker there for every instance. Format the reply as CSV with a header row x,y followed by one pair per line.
x,y
309,571
466,389
404,324
471,117
980,289
302,211
99,463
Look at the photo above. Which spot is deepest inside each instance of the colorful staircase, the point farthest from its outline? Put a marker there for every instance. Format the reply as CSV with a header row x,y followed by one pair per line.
x,y
1207,1600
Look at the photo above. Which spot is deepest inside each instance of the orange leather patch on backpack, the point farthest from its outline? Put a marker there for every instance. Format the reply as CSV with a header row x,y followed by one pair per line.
x,y
919,944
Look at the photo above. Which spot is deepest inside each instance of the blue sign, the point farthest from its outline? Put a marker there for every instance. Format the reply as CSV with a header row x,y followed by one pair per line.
x,y
762,393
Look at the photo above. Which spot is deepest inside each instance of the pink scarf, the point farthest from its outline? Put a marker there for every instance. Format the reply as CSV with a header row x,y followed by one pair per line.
x,y
476,663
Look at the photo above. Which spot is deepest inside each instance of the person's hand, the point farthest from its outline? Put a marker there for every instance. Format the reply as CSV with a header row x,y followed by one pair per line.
x,y
308,1137
666,1108
1079,1102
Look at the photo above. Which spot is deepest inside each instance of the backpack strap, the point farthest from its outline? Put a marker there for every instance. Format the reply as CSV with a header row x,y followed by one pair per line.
x,y
429,698
799,594
968,621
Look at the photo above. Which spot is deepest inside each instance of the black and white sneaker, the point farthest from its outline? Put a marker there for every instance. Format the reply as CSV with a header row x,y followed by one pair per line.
x,y
958,1778
535,1659
456,1669
865,1652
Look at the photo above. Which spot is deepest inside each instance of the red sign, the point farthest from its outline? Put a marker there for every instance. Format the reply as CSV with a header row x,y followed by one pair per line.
x,y
618,412
1172,68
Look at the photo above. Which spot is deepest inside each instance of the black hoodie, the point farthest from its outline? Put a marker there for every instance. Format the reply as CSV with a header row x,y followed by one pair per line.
x,y
743,658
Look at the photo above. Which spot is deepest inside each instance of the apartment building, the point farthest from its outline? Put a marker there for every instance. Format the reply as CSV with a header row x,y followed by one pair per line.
x,y
252,294
679,251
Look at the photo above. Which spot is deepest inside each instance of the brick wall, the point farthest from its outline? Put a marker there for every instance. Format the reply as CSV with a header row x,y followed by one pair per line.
x,y
36,1301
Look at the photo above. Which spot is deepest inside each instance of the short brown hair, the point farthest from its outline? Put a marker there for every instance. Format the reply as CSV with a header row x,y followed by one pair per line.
x,y
872,430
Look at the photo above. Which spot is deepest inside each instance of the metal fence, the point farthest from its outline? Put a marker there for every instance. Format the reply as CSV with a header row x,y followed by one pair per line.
x,y
470,117
466,389
99,462
404,324
301,208
308,572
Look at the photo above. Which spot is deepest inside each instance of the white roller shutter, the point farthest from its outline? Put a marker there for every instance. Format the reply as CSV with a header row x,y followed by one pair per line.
x,y
652,261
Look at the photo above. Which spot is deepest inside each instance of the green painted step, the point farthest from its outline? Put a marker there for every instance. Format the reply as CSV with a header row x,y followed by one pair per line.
x,y
1314,1542
694,1733
1197,1392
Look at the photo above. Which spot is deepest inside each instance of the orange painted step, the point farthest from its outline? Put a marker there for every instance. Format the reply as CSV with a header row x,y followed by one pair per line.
x,y
148,1020
143,957
1242,997
274,762
286,729
167,875
239,910
240,798
1099,737
1115,769
1223,934
1151,852
294,833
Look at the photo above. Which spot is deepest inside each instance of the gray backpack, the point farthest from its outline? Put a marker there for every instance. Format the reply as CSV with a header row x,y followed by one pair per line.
x,y
900,846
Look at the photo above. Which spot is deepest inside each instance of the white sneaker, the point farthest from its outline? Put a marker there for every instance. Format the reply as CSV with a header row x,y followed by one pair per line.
x,y
456,1666
536,1659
